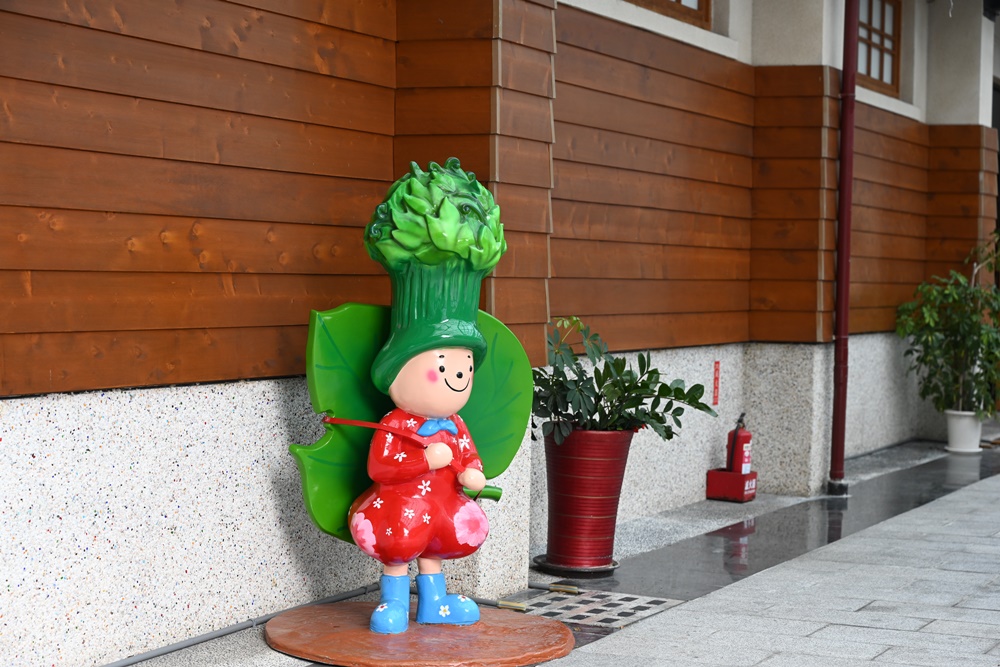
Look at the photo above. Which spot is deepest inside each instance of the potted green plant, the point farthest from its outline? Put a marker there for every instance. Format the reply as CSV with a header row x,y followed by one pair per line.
x,y
588,416
953,329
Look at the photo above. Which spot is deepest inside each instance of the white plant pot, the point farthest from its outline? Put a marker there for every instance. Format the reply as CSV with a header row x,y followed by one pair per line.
x,y
965,431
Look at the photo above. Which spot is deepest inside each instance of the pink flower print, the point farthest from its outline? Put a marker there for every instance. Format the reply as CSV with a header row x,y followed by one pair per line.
x,y
363,533
425,487
471,526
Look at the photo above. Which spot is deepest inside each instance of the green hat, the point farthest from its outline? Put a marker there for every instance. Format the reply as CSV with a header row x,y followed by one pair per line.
x,y
438,234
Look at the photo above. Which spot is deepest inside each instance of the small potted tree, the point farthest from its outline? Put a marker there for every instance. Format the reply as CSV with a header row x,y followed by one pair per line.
x,y
953,329
588,416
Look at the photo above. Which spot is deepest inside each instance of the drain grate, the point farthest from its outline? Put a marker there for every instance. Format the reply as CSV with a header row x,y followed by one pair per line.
x,y
597,608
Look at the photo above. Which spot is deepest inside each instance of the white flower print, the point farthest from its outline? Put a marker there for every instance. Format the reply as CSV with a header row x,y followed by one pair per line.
x,y
444,611
388,438
382,607
462,598
425,487
388,531
427,518
400,456
406,532
411,423
408,513
377,503
463,442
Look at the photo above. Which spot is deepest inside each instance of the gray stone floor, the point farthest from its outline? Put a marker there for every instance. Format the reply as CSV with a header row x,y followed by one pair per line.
x,y
922,588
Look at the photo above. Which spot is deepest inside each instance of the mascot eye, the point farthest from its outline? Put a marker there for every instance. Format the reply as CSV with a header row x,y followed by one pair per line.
x,y
470,369
441,369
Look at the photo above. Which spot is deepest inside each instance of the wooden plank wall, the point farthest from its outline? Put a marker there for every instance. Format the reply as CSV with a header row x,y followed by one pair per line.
x,y
180,186
889,219
651,204
481,90
794,200
962,193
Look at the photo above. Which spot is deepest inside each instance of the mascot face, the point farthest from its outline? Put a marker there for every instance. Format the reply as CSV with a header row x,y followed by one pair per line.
x,y
436,383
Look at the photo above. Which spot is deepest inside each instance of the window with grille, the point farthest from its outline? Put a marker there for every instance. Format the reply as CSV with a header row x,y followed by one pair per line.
x,y
878,45
697,12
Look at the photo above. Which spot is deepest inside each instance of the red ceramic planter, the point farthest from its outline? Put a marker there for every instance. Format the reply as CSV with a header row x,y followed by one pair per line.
x,y
585,476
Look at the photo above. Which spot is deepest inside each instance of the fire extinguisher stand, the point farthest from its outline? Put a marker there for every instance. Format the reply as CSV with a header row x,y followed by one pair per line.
x,y
735,483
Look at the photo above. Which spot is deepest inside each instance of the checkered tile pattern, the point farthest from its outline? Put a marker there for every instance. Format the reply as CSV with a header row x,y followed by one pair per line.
x,y
598,608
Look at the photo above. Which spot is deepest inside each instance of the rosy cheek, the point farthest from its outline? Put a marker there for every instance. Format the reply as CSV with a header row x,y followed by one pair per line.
x,y
432,376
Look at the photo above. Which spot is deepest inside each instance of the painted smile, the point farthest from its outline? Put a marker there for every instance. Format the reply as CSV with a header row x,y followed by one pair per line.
x,y
459,391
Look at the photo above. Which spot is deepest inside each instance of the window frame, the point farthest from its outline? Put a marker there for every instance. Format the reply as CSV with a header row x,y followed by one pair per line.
x,y
864,78
701,17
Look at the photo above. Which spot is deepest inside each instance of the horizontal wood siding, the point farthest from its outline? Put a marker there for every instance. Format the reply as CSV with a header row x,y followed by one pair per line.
x,y
180,185
794,201
962,205
889,216
652,166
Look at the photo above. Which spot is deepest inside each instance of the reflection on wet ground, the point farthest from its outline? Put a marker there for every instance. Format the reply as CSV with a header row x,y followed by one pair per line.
x,y
699,565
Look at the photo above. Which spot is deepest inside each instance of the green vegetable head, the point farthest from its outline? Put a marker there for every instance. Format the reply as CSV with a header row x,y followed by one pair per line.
x,y
437,216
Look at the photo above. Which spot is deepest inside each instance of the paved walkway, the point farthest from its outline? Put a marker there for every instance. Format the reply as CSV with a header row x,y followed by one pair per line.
x,y
922,588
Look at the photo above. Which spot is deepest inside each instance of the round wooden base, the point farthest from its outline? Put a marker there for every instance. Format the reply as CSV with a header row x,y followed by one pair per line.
x,y
338,634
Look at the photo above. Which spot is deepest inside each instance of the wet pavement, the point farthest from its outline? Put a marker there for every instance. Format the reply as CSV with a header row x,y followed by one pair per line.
x,y
700,565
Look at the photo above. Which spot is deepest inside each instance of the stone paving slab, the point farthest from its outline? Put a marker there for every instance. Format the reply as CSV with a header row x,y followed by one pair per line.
x,y
909,591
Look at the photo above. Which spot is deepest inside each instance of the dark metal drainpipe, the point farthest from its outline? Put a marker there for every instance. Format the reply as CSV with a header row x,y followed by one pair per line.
x,y
837,485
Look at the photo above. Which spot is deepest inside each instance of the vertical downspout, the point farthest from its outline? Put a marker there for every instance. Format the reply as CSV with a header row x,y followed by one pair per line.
x,y
837,485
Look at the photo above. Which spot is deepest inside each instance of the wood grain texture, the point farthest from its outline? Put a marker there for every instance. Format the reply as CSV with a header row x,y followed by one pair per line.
x,y
643,82
598,109
59,178
606,185
529,24
419,20
66,302
575,143
40,50
527,70
225,28
603,222
433,63
62,362
371,17
57,116
104,241
796,80
601,35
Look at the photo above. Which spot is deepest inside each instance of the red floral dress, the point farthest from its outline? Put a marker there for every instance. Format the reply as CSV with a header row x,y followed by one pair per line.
x,y
412,511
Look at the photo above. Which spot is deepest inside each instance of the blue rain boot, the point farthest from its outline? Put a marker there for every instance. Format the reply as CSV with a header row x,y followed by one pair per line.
x,y
392,615
435,606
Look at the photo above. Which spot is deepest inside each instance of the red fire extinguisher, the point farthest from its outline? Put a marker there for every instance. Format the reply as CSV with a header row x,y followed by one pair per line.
x,y
736,482
739,450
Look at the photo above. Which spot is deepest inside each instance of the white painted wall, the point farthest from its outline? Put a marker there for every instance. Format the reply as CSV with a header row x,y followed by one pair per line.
x,y
959,64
